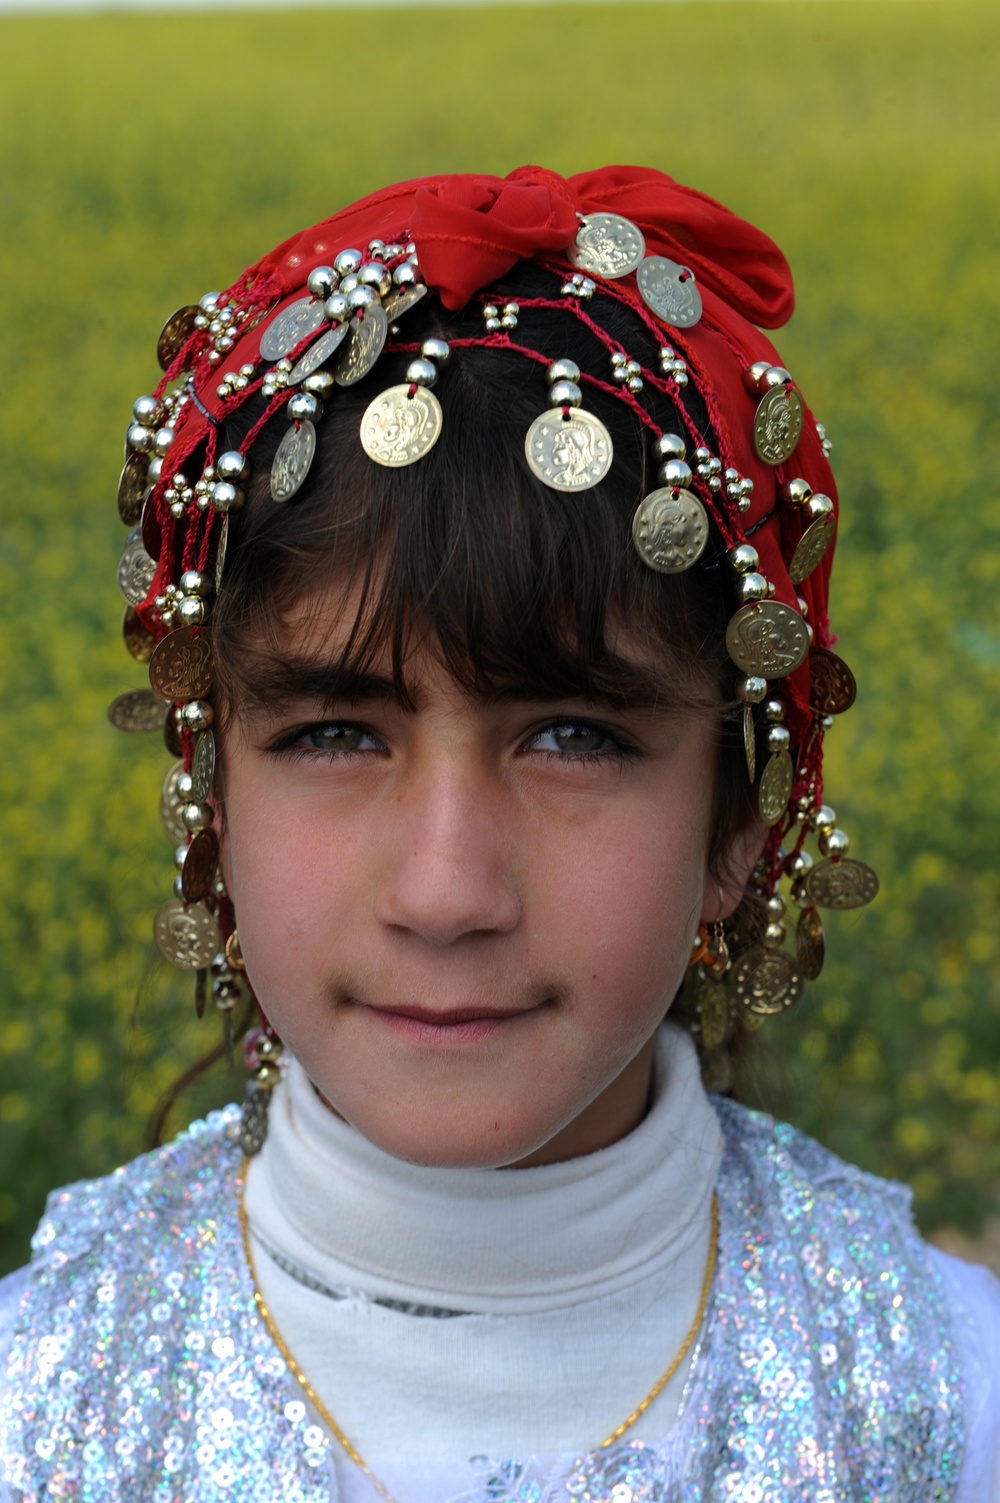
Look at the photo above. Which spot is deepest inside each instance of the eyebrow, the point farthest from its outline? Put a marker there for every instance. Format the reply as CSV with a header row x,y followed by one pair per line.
x,y
279,681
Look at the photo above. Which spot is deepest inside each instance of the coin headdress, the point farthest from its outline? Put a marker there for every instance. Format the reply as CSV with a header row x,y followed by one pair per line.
x,y
741,477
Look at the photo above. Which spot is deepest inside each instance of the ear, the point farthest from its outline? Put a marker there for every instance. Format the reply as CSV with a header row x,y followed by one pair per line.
x,y
724,892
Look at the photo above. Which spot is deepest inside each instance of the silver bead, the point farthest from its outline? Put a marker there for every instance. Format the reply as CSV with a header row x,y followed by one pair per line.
x,y
155,470
834,842
376,250
197,714
803,606
144,411
140,438
227,497
377,277
184,786
232,465
319,383
565,394
753,379
405,275
392,252
751,690
795,492
776,906
562,370
800,864
421,372
776,375
321,281
179,887
731,476
491,310
436,349
774,711
825,818
751,586
193,582
774,936
180,856
348,283
675,472
634,384
818,506
197,816
360,298
669,446
304,407
347,262
337,308
743,559
191,611
827,722
209,302
778,738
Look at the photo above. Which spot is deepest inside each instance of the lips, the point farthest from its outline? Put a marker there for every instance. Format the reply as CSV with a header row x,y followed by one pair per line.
x,y
451,1017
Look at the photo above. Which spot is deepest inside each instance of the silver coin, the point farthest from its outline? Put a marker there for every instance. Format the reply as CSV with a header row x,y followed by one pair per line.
x,y
203,767
767,639
777,425
187,937
669,290
171,805
367,338
135,571
607,246
138,710
402,299
398,429
318,354
571,453
291,326
670,530
292,461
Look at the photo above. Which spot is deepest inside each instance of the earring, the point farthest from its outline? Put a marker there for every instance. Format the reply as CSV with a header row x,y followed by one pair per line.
x,y
711,950
262,1051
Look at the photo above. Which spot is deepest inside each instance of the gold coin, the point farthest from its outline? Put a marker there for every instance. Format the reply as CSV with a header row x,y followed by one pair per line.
x,y
777,424
198,871
171,804
669,290
670,530
292,325
175,334
138,640
811,547
767,639
137,710
402,300
318,353
775,787
203,767
135,572
398,429
810,945
571,453
181,666
132,488
187,937
368,336
608,246
750,742
220,553
832,687
765,982
844,883
713,1013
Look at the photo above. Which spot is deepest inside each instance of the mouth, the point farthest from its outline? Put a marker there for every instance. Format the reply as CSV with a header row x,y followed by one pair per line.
x,y
448,1026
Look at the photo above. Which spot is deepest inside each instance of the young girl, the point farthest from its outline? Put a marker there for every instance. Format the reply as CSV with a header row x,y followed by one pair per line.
x,y
479,552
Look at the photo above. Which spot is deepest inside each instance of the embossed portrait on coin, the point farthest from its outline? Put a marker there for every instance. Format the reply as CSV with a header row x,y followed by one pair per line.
x,y
574,450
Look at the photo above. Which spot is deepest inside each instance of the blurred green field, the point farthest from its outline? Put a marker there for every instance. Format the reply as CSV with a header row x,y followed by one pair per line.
x,y
146,159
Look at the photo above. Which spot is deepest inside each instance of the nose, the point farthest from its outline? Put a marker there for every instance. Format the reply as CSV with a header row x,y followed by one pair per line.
x,y
448,870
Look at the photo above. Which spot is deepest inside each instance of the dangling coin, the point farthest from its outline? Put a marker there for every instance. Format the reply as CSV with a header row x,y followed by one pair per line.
x,y
172,734
840,884
138,640
765,982
607,246
569,454
138,710
132,488
198,871
367,339
187,937
220,553
234,955
775,787
402,300
398,429
669,290
181,666
713,1012
203,767
750,742
292,325
292,461
171,804
175,334
767,639
832,686
135,572
777,425
810,945
670,530
253,1119
318,354
811,547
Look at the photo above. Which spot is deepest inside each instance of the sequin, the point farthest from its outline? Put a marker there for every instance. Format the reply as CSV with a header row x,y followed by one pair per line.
x,y
140,1369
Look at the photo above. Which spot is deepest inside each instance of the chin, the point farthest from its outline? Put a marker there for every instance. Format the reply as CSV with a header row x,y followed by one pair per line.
x,y
437,1145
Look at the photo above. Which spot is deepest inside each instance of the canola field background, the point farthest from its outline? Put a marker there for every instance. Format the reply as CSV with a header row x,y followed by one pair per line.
x,y
146,159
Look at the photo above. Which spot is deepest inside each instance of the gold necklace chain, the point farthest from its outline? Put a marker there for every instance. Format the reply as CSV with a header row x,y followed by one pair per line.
x,y
352,1450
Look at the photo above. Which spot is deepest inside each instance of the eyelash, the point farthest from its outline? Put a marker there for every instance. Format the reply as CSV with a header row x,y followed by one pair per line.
x,y
617,748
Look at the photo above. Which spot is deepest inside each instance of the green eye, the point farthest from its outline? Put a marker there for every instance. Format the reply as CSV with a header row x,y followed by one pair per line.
x,y
335,738
577,738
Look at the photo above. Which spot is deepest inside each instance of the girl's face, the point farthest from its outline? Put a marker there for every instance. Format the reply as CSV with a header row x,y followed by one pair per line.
x,y
466,918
